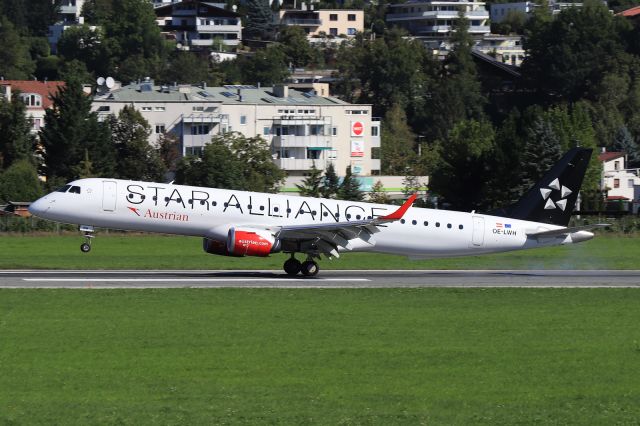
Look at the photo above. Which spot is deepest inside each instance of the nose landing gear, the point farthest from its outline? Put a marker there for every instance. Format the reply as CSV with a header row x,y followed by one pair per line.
x,y
88,235
309,267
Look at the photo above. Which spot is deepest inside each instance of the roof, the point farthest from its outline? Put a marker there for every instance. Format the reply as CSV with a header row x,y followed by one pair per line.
x,y
167,10
634,11
44,88
608,156
251,95
617,198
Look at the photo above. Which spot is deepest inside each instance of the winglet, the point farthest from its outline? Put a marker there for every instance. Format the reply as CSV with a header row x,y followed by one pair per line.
x,y
402,210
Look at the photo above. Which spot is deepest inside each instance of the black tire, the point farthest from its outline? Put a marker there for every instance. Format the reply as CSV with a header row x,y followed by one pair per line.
x,y
85,247
292,266
310,268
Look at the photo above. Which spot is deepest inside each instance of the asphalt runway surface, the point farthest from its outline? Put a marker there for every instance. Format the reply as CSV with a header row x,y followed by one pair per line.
x,y
326,279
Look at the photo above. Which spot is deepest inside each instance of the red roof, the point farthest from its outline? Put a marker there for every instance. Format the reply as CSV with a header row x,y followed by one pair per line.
x,y
608,156
634,11
42,88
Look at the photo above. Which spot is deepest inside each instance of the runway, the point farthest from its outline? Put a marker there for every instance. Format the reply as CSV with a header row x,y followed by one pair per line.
x,y
40,279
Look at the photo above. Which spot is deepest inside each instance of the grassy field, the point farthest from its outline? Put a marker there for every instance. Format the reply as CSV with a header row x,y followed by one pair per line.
x,y
385,356
135,251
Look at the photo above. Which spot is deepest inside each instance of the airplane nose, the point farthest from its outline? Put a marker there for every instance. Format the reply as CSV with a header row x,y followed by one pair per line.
x,y
40,206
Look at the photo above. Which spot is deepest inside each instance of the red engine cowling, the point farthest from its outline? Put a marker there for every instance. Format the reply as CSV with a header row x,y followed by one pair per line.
x,y
250,242
216,247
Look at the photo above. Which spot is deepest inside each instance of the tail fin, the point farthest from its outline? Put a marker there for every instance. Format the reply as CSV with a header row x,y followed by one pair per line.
x,y
553,198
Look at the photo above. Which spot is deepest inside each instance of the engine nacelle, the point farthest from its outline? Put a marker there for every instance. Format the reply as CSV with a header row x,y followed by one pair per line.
x,y
243,242
250,242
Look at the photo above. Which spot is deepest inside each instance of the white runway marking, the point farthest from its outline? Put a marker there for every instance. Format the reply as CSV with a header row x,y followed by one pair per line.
x,y
151,280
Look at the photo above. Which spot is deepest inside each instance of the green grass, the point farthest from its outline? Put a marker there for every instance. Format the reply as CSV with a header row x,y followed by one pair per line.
x,y
385,356
135,251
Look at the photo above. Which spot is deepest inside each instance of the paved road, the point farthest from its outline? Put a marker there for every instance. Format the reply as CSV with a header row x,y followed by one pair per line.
x,y
326,279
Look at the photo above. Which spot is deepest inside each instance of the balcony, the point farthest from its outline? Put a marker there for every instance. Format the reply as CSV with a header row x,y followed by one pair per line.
x,y
289,141
68,10
300,119
301,22
299,164
436,14
221,28
213,42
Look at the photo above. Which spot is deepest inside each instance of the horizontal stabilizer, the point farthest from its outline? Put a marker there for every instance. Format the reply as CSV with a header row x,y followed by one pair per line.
x,y
566,231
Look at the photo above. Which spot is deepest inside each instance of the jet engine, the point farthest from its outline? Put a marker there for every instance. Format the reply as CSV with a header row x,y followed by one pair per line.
x,y
243,242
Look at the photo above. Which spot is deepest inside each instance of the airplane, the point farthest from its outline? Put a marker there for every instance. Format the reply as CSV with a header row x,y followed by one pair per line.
x,y
241,223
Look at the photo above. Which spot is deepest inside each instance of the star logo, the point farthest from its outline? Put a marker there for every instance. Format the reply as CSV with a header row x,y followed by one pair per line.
x,y
564,193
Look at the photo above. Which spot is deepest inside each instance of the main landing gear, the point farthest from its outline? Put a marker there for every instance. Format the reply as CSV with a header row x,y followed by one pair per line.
x,y
88,235
309,267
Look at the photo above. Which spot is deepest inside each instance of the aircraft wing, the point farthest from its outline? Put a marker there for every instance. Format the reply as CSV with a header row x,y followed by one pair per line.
x,y
565,231
326,238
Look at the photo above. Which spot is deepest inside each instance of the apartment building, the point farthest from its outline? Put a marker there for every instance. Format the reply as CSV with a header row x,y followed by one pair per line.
x,y
499,11
323,23
507,49
300,127
433,21
36,95
68,15
197,25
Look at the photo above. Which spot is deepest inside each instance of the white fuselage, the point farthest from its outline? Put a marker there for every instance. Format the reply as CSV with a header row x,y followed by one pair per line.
x,y
206,212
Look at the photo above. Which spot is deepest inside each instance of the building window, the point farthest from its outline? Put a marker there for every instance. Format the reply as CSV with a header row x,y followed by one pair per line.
x,y
616,183
334,131
333,31
31,99
266,131
630,183
333,17
37,123
159,128
351,31
199,129
194,150
243,119
147,108
197,109
159,109
351,17
104,109
616,165
374,130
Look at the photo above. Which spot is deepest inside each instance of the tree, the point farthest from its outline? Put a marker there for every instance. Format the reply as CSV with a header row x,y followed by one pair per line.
x,y
296,47
312,184
397,142
378,194
350,188
16,140
259,23
20,182
136,158
169,150
266,66
70,129
331,183
232,161
541,151
464,176
133,39
15,60
188,67
623,142
86,45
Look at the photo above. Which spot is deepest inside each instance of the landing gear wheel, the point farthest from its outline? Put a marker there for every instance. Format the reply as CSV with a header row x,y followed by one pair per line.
x,y
85,247
310,268
292,266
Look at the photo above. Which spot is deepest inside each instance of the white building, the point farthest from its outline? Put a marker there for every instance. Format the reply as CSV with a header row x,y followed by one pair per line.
x,y
323,24
36,95
619,183
433,21
499,11
505,48
197,25
301,128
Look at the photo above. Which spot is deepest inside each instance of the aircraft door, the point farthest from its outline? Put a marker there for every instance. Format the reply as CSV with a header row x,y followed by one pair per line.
x,y
477,238
109,192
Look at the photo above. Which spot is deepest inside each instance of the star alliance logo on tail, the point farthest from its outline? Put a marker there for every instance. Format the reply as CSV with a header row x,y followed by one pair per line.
x,y
564,193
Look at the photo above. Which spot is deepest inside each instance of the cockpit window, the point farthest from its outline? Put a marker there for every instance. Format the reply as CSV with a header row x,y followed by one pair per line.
x,y
74,190
64,188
